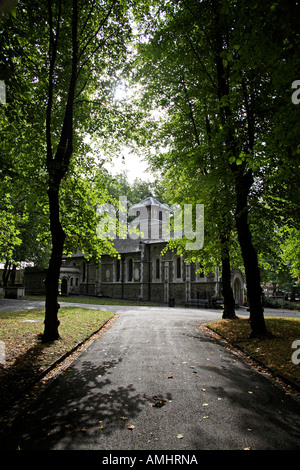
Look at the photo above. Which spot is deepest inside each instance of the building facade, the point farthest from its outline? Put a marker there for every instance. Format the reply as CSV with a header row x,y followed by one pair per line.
x,y
142,272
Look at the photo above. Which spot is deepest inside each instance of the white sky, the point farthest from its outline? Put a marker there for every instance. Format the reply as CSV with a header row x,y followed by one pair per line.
x,y
132,164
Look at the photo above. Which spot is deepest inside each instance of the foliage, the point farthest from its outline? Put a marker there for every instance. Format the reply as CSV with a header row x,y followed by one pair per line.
x,y
101,32
221,73
62,63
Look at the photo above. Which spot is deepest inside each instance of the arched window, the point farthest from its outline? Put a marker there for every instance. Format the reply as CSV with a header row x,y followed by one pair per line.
x,y
160,224
200,275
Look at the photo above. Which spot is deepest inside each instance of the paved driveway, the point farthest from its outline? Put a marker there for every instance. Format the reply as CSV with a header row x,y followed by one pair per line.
x,y
156,381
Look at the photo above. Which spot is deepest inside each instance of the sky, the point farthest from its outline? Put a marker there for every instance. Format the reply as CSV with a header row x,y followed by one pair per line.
x,y
132,164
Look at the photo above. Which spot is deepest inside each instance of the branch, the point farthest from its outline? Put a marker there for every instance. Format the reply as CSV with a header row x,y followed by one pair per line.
x,y
65,146
249,116
87,18
191,112
52,57
82,52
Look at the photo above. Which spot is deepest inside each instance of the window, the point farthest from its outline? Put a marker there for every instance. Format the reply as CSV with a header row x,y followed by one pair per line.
x,y
157,269
178,268
130,269
118,270
200,275
160,224
83,271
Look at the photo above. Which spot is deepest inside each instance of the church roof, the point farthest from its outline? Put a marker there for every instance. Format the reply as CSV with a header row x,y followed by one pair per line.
x,y
150,201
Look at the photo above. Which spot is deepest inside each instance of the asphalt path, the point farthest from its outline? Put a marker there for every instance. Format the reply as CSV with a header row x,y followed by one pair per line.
x,y
157,381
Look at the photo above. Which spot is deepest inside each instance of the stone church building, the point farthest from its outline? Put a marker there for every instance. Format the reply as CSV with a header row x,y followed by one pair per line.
x,y
143,273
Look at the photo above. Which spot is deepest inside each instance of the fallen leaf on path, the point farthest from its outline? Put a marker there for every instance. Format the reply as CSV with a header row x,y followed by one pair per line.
x,y
180,436
130,426
158,402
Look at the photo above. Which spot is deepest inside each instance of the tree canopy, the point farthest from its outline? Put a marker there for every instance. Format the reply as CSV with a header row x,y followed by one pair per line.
x,y
62,61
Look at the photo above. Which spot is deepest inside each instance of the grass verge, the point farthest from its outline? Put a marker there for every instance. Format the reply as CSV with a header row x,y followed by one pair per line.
x,y
275,353
26,357
93,300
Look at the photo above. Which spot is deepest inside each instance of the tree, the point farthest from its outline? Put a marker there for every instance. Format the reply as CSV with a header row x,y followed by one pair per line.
x,y
70,54
226,57
172,78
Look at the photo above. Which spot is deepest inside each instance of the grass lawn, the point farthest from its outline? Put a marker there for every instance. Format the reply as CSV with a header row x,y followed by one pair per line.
x,y
92,300
276,352
26,357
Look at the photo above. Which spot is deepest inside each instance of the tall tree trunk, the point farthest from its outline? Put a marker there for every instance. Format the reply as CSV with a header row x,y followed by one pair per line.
x,y
6,273
229,302
57,166
243,179
53,272
258,327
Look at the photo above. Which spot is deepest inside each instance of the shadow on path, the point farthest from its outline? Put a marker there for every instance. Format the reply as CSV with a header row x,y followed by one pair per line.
x,y
75,408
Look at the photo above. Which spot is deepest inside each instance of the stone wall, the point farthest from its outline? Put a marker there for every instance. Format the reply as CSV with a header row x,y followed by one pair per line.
x,y
34,281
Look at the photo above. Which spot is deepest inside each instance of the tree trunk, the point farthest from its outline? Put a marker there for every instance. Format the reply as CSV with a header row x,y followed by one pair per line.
x,y
53,272
243,183
6,273
57,167
229,303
